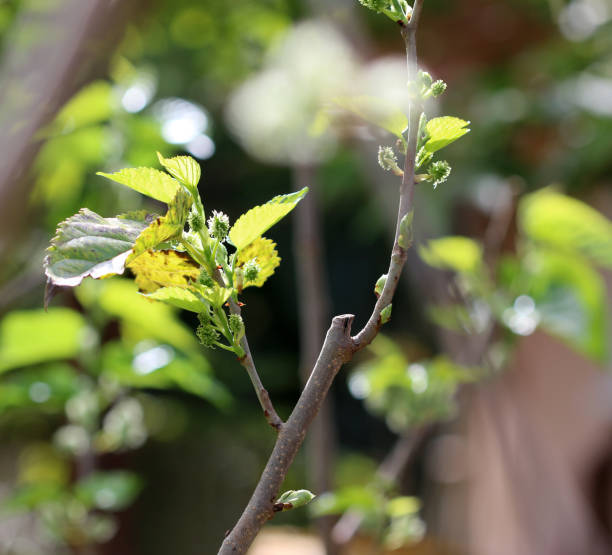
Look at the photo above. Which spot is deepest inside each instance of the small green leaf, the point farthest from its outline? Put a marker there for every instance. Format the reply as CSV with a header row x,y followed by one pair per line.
x,y
294,499
148,181
183,168
166,227
376,111
109,491
168,268
179,297
89,245
455,253
258,220
568,224
443,131
264,251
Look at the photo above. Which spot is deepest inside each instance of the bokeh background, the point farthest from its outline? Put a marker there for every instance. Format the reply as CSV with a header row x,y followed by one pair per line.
x,y
121,434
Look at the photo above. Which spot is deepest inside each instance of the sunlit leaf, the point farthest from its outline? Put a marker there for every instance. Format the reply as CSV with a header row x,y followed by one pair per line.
x,y
264,250
168,268
164,228
455,253
376,111
108,491
34,336
148,181
258,220
183,168
443,131
566,223
179,297
89,245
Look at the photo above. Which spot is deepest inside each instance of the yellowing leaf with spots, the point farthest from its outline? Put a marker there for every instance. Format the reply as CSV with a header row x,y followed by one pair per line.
x,y
164,228
183,168
264,250
258,220
155,269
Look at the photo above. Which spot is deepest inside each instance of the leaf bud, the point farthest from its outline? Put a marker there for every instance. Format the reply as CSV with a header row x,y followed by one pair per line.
x,y
236,326
293,499
380,285
375,5
405,231
251,270
438,172
218,225
388,161
385,314
425,78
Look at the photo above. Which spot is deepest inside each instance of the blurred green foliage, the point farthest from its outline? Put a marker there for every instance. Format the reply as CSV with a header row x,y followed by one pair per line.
x,y
534,87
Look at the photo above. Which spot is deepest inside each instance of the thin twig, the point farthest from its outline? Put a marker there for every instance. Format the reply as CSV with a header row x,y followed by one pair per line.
x,y
337,349
247,361
262,393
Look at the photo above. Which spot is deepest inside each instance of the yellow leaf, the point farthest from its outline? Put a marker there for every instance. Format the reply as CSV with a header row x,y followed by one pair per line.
x,y
264,250
155,269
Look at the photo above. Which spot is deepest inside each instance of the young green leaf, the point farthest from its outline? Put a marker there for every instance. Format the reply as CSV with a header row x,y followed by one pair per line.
x,y
179,297
557,220
376,111
149,182
87,244
258,220
264,252
443,131
155,269
183,168
458,254
165,227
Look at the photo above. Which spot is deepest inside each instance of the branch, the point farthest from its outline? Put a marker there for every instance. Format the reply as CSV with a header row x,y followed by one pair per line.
x,y
337,349
262,393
